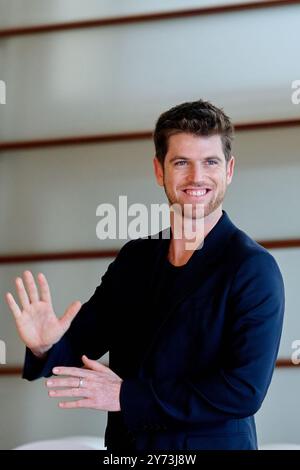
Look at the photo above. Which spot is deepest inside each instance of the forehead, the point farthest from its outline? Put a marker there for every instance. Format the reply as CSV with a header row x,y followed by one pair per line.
x,y
194,146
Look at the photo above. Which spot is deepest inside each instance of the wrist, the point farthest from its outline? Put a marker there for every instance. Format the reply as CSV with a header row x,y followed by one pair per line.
x,y
41,353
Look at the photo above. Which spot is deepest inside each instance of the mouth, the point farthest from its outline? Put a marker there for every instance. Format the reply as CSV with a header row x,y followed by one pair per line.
x,y
196,193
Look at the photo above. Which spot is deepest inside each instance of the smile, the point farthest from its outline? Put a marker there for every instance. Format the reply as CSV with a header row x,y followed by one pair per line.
x,y
196,192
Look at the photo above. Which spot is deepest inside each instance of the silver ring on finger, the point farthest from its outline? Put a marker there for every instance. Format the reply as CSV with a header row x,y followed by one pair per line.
x,y
80,385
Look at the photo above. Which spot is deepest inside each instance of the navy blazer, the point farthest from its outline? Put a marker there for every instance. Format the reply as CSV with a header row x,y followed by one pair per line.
x,y
206,370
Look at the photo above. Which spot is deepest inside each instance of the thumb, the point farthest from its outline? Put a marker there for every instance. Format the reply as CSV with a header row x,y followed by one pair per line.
x,y
70,314
94,365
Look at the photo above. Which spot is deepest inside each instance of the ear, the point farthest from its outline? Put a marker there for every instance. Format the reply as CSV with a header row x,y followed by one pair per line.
x,y
158,171
230,169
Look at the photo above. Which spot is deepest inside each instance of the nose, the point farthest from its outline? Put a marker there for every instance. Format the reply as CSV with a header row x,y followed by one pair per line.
x,y
197,172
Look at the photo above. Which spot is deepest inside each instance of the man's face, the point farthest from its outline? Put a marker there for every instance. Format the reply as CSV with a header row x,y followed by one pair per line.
x,y
195,172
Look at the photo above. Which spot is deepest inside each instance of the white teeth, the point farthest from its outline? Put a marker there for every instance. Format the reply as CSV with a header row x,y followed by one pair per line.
x,y
196,193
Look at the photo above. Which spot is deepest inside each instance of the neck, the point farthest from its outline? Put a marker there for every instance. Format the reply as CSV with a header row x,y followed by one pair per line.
x,y
181,249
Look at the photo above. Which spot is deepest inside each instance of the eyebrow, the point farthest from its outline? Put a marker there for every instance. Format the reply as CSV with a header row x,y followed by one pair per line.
x,y
212,157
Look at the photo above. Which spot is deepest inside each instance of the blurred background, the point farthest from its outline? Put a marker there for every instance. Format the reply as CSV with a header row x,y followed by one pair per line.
x,y
85,83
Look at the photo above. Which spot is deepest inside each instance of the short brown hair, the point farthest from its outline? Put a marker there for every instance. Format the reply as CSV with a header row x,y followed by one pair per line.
x,y
197,118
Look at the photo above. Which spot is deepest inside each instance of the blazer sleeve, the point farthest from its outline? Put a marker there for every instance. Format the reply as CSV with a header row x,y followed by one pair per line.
x,y
237,388
88,334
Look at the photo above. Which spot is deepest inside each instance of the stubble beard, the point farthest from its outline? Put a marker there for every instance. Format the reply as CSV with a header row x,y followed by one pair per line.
x,y
196,214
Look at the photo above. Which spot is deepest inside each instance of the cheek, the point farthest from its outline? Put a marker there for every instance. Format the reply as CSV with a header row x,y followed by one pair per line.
x,y
169,180
173,180
221,178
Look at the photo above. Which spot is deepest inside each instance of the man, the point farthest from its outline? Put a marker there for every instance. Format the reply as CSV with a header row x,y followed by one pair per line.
x,y
192,335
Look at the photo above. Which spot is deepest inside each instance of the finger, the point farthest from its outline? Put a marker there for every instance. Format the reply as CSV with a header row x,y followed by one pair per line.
x,y
14,307
22,293
73,372
31,287
70,392
44,288
71,382
95,365
85,403
70,314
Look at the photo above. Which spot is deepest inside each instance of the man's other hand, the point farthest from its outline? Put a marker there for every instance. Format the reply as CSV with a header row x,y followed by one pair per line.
x,y
96,386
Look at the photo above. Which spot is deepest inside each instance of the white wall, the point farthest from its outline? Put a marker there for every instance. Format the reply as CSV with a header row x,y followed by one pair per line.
x,y
278,419
119,79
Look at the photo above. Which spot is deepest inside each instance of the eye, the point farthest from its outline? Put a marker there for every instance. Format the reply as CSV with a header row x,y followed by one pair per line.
x,y
180,163
212,162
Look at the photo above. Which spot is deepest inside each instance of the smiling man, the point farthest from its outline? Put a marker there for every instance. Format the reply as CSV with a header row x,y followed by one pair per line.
x,y
195,173
192,335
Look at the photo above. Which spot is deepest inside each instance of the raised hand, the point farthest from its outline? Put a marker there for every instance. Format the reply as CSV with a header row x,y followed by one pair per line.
x,y
37,324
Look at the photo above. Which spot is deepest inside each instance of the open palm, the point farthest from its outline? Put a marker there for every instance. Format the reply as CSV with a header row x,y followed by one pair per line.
x,y
37,324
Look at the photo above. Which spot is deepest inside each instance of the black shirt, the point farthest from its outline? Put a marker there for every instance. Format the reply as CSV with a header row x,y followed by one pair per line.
x,y
164,287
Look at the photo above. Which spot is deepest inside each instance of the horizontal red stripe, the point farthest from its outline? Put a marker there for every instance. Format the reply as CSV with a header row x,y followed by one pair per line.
x,y
131,136
142,18
94,254
6,370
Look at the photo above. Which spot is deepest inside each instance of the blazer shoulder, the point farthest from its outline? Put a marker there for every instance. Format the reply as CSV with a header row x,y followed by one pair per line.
x,y
132,246
245,247
136,248
252,259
